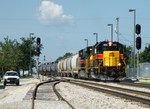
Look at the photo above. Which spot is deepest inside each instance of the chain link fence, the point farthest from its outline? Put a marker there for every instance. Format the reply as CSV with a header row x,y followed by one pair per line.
x,y
143,71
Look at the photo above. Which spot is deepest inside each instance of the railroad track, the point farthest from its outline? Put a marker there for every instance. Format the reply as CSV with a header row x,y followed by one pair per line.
x,y
135,84
55,82
138,96
59,96
141,85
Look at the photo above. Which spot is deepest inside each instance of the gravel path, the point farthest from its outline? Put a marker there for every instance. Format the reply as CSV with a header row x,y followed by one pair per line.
x,y
82,98
12,96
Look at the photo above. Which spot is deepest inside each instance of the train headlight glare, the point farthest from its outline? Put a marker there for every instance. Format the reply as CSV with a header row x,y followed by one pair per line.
x,y
110,43
106,64
95,51
119,64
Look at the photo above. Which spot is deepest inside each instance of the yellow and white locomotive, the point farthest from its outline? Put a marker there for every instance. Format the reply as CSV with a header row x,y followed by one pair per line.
x,y
104,60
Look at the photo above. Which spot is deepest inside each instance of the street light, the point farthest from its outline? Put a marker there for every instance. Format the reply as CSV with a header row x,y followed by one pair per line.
x,y
30,52
96,36
117,28
111,31
87,41
133,10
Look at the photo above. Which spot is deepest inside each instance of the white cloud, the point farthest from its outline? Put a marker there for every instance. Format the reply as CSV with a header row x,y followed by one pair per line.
x,y
52,13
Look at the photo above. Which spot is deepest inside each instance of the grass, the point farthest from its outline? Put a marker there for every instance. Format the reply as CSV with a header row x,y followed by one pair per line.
x,y
146,79
145,83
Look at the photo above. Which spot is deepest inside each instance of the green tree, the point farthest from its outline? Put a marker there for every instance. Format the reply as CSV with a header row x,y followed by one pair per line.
x,y
10,55
25,47
127,53
16,56
67,54
145,55
62,57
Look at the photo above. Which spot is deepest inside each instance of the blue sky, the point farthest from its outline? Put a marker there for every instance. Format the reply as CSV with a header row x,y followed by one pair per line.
x,y
63,25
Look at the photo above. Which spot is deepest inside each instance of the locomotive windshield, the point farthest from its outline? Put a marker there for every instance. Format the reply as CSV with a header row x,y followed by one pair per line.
x,y
115,46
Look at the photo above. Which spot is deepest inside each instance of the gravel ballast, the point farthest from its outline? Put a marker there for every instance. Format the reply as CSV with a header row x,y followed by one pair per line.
x,y
19,97
82,98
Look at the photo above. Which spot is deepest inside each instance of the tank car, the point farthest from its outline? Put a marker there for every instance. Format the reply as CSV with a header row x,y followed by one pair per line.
x,y
53,67
69,67
42,69
75,65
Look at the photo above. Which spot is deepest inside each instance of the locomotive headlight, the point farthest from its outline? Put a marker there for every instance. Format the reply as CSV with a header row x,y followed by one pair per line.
x,y
110,43
119,64
106,64
95,51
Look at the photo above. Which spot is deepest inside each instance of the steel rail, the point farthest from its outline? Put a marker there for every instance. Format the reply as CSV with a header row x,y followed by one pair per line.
x,y
124,83
135,84
123,95
119,88
58,94
36,88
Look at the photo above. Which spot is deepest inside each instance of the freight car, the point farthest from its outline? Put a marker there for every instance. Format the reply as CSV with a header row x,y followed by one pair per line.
x,y
104,60
48,69
69,66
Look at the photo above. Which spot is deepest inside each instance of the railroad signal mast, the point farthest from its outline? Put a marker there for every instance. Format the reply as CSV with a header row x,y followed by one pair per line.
x,y
38,42
38,46
138,45
138,39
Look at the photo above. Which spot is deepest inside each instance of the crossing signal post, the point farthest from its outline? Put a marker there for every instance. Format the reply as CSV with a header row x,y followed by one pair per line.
x,y
138,45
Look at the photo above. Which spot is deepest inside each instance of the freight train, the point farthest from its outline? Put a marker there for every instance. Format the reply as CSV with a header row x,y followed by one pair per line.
x,y
48,69
104,60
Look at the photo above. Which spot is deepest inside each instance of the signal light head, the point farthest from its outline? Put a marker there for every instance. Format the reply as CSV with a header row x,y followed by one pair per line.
x,y
138,43
38,41
138,29
38,51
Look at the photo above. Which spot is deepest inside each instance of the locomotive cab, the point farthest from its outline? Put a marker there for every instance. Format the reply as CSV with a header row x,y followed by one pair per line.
x,y
82,59
87,52
109,59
